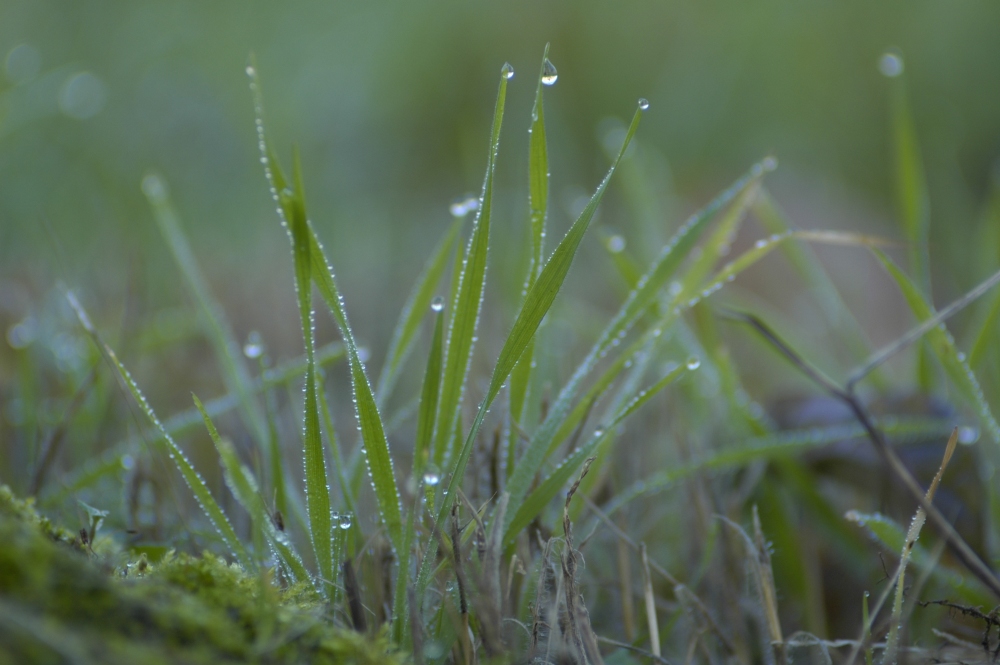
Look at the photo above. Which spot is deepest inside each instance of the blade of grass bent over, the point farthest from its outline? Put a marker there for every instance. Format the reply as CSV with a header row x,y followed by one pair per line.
x,y
638,301
468,300
193,479
374,442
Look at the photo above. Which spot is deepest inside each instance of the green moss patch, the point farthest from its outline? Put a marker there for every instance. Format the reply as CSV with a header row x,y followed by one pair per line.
x,y
62,601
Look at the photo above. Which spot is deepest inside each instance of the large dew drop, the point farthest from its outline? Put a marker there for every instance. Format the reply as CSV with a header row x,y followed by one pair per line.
x,y
464,205
507,71
643,103
254,348
890,64
437,304
549,73
693,363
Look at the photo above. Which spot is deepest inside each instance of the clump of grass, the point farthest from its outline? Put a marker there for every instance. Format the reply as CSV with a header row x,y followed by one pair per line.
x,y
457,568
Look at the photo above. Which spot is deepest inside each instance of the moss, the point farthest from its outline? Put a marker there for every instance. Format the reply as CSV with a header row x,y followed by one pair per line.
x,y
61,601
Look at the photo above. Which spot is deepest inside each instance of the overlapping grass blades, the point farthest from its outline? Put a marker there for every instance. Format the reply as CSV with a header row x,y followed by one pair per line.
x,y
467,300
316,483
537,302
193,479
636,304
244,487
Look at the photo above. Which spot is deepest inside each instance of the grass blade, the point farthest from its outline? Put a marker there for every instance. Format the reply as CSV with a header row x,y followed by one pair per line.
x,y
943,345
405,334
193,479
468,298
227,349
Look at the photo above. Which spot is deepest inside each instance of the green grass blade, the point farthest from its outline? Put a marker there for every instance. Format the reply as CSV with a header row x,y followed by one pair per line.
x,y
636,304
547,490
193,479
373,438
405,334
468,299
943,345
227,349
244,487
316,482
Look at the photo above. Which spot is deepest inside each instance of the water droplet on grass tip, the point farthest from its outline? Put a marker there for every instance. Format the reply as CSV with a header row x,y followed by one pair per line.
x,y
770,163
549,73
254,348
694,362
616,244
890,64
437,304
507,71
643,103
251,71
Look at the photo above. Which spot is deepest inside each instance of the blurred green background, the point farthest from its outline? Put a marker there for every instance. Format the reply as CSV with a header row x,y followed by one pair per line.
x,y
390,104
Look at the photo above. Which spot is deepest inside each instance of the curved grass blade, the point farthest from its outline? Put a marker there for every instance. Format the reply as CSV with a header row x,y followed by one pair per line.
x,y
316,481
636,304
943,345
405,334
468,300
374,442
244,487
227,349
193,479
542,495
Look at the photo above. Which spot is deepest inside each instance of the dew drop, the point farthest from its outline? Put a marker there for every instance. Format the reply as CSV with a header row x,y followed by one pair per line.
x,y
693,363
890,64
254,348
549,73
507,71
643,103
22,334
770,163
616,244
598,432
760,244
432,476
437,304
251,71
345,521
